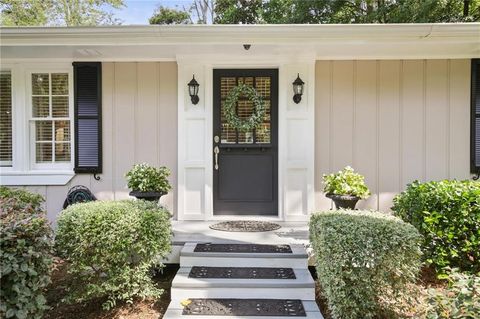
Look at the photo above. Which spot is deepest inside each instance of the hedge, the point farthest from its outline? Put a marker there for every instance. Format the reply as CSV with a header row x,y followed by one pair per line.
x,y
112,247
447,214
25,254
362,257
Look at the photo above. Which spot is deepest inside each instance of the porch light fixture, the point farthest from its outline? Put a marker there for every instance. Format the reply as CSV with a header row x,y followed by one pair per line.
x,y
297,89
193,90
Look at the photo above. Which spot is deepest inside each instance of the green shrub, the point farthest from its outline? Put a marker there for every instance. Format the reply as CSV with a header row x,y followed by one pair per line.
x,y
362,257
346,182
447,214
146,178
461,299
112,247
25,254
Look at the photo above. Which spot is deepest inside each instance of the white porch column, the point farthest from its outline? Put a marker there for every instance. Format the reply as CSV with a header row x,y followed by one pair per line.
x,y
297,142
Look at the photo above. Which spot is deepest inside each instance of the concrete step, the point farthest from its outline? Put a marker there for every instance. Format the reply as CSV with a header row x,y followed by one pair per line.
x,y
175,312
296,259
184,287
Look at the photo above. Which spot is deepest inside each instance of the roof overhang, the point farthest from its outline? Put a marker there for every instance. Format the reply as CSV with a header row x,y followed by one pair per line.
x,y
359,41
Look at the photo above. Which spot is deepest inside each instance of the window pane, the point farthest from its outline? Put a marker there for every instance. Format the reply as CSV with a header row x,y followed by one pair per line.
x,y
62,152
62,131
40,84
43,131
40,106
60,106
43,152
59,84
5,118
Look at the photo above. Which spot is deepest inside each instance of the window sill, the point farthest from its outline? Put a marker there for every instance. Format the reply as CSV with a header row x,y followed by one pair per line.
x,y
14,178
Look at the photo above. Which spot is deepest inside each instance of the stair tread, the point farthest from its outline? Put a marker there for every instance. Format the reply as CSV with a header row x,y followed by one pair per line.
x,y
298,251
303,280
311,309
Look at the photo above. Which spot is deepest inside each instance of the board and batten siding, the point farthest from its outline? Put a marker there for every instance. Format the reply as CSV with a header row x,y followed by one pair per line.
x,y
394,121
139,125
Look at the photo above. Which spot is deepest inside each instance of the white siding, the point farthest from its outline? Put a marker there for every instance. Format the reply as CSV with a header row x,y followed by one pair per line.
x,y
394,121
139,125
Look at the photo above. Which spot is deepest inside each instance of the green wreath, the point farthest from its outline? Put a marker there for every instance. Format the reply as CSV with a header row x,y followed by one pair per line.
x,y
229,108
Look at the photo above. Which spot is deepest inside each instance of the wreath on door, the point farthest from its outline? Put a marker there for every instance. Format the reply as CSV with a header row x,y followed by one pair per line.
x,y
229,108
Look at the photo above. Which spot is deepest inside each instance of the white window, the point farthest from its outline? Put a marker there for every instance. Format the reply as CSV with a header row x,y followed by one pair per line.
x,y
36,123
50,122
6,138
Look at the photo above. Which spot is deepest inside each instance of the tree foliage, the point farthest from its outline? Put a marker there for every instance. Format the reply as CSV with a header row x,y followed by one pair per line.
x,y
346,11
58,12
164,15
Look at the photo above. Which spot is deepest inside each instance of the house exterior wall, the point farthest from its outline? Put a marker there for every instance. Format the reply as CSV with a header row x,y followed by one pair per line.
x,y
139,125
394,121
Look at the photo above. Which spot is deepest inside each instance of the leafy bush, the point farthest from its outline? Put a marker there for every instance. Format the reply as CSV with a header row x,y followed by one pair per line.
x,y
346,182
361,258
146,178
111,248
461,299
447,214
25,254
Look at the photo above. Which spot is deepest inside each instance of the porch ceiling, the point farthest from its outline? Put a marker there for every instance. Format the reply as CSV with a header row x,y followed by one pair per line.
x,y
137,43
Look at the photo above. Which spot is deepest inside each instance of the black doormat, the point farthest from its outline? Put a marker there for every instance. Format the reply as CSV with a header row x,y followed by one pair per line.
x,y
241,272
245,226
245,307
242,248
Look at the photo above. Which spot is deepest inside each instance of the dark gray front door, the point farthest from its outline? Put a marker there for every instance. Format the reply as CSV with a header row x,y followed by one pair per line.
x,y
246,181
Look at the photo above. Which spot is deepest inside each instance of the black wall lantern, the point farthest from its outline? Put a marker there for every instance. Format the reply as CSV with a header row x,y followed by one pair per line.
x,y
193,90
297,89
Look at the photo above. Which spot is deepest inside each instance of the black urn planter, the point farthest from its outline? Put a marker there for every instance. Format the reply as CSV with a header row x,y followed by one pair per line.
x,y
344,201
149,196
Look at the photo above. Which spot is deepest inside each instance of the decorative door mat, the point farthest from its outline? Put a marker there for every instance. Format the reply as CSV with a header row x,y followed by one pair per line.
x,y
245,307
242,248
245,226
241,273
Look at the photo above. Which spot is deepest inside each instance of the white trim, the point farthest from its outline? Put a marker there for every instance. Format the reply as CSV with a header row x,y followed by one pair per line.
x,y
35,178
253,34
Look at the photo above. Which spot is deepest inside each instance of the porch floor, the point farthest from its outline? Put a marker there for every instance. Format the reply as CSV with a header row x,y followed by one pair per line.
x,y
199,232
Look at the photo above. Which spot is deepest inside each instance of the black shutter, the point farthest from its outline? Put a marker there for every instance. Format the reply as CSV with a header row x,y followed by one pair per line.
x,y
475,125
88,117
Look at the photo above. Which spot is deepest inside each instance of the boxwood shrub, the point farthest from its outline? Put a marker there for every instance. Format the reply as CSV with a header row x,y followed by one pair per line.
x,y
25,254
447,214
111,247
362,257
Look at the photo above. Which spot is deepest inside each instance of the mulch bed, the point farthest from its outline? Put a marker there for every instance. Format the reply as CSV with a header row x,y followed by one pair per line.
x,y
140,309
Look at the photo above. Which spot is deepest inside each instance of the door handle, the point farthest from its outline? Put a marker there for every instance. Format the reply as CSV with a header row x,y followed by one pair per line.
x,y
216,150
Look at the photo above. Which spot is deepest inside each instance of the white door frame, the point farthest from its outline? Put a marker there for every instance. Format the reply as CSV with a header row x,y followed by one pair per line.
x,y
296,133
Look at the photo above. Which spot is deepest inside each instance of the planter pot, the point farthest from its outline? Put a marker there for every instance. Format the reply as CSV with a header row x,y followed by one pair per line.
x,y
150,196
344,201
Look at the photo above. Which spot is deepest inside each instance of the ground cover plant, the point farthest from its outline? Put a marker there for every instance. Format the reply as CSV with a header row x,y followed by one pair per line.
x,y
447,214
111,248
363,257
25,254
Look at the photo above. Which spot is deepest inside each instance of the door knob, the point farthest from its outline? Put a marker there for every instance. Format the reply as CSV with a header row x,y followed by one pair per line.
x,y
216,139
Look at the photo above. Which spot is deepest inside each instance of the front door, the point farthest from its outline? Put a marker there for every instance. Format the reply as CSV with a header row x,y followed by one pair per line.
x,y
245,180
